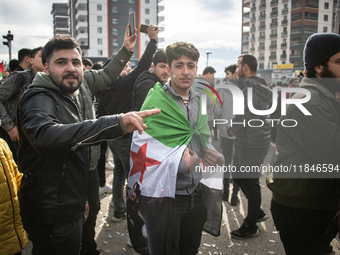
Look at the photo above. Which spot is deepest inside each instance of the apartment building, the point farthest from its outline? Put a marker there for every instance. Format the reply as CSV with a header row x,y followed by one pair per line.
x,y
60,19
99,25
275,31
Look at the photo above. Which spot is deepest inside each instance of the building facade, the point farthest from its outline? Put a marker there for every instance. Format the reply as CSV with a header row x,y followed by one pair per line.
x,y
99,25
60,19
275,31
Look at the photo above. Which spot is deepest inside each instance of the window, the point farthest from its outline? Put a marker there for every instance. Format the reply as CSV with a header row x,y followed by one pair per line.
x,y
114,9
99,18
261,66
114,20
325,18
114,0
99,41
311,16
114,42
114,31
147,11
131,1
146,1
99,7
325,29
296,16
100,52
147,22
99,30
326,6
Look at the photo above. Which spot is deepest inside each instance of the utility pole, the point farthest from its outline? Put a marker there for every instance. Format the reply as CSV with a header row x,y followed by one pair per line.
x,y
208,52
336,19
9,38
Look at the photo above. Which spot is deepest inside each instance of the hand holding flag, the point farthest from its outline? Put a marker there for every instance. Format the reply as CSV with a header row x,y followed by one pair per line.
x,y
134,120
212,158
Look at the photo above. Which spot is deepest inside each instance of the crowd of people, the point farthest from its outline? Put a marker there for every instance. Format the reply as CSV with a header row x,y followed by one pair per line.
x,y
60,114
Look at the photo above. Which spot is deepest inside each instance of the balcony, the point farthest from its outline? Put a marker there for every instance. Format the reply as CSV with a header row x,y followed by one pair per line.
x,y
253,29
160,8
284,11
253,8
261,48
273,36
262,37
273,14
252,49
296,5
274,2
261,58
81,14
283,45
263,27
262,17
273,25
81,4
297,42
272,57
273,47
252,39
284,22
81,25
262,6
160,19
253,19
283,57
284,34
246,1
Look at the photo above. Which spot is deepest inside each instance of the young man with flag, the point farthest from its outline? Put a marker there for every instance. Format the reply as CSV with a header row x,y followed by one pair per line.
x,y
165,162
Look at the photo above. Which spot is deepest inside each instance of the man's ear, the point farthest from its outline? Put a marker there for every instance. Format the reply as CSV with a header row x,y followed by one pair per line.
x,y
152,67
47,70
318,68
245,67
28,59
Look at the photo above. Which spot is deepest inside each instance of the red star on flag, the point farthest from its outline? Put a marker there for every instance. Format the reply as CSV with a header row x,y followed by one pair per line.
x,y
141,162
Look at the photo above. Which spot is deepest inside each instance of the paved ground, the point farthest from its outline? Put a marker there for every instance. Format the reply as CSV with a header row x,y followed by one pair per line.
x,y
112,237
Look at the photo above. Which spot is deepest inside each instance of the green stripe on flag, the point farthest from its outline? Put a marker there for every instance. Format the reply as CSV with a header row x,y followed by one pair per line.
x,y
171,126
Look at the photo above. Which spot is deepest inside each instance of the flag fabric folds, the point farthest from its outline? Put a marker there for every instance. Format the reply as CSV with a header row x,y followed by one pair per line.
x,y
2,70
155,156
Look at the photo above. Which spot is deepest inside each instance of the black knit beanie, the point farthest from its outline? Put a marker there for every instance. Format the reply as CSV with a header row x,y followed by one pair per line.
x,y
319,48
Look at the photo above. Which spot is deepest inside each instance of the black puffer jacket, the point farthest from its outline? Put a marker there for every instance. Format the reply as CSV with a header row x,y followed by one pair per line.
x,y
145,81
247,136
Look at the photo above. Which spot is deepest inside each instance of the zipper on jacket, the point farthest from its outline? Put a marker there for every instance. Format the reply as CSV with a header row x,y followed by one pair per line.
x,y
10,193
81,142
61,186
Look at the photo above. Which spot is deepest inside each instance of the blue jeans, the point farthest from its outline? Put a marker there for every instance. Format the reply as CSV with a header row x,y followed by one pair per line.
x,y
55,239
249,182
121,156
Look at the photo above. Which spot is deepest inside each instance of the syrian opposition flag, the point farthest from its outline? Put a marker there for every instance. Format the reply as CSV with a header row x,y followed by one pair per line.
x,y
2,70
155,156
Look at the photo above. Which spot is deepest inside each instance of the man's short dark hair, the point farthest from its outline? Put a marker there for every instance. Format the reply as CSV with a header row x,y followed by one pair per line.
x,y
208,69
311,73
34,51
250,60
87,62
13,64
22,53
59,43
96,66
178,49
291,80
230,68
159,57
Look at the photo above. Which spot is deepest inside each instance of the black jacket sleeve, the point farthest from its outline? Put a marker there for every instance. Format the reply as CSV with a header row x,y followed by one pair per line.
x,y
141,91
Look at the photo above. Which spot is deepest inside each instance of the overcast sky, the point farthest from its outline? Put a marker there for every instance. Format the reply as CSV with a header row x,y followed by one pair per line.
x,y
213,26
